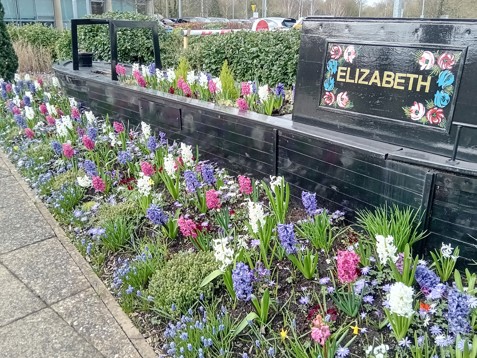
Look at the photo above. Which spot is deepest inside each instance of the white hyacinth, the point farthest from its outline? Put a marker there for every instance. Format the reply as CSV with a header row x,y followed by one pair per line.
x,y
169,164
386,249
446,250
48,95
90,118
146,130
400,299
159,75
186,154
144,184
17,77
135,67
28,94
191,78
84,182
223,252
171,75
51,109
256,215
276,182
73,102
62,125
144,71
17,101
37,85
203,80
27,77
263,92
29,112
55,82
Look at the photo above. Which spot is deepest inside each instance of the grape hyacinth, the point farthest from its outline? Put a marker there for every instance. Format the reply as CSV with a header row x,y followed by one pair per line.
x,y
156,215
287,238
242,278
309,202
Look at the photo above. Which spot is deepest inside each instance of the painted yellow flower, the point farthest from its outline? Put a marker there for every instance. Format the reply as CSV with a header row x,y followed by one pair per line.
x,y
283,334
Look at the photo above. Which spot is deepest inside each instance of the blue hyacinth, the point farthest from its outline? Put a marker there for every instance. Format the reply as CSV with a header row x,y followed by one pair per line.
x,y
27,101
458,312
20,120
242,278
156,215
309,202
90,168
162,139
92,132
152,144
192,184
124,157
208,174
426,278
287,238
57,148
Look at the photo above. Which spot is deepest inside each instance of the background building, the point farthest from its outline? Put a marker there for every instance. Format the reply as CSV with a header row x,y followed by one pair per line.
x,y
27,11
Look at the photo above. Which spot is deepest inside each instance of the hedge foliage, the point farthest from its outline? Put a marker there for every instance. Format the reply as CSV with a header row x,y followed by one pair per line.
x,y
8,58
37,35
268,57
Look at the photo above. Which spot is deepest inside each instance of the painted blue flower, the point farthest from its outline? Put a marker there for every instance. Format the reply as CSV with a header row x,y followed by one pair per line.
x,y
441,99
446,78
329,84
332,66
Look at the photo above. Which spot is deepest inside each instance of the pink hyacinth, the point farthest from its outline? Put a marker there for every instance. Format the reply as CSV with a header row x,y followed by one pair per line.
x,y
9,87
242,104
120,70
29,133
180,83
212,199
98,184
147,169
347,266
43,109
16,110
141,81
212,87
118,127
68,150
50,120
320,331
186,89
75,113
245,185
88,142
188,227
245,88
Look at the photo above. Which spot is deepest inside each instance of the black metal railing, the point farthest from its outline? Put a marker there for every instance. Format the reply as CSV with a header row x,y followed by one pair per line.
x,y
113,26
459,126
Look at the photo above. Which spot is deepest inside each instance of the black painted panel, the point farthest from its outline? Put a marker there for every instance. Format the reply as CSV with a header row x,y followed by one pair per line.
x,y
158,114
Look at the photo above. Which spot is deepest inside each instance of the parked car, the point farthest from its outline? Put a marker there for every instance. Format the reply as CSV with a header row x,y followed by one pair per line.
x,y
218,19
282,21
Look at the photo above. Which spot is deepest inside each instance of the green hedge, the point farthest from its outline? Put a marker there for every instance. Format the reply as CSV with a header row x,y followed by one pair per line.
x,y
37,35
269,57
134,45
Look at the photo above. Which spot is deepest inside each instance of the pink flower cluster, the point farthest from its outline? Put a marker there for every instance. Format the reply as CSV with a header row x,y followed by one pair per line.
x,y
212,199
245,185
182,85
75,113
347,266
120,70
320,331
88,142
68,150
147,169
43,109
118,127
139,79
242,104
98,184
51,121
212,87
245,89
187,227
29,133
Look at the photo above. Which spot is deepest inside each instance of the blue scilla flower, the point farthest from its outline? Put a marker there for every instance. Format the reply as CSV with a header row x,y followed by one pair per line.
x,y
287,238
446,78
129,290
192,184
332,66
242,278
90,168
441,99
309,202
329,84
184,336
152,144
207,171
156,215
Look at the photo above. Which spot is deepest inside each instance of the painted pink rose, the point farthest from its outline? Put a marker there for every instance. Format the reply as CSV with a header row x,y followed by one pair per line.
x,y
342,99
336,52
329,98
349,54
446,61
435,115
427,60
417,111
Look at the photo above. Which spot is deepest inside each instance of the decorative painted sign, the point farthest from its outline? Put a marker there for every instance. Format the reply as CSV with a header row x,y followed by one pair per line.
x,y
395,82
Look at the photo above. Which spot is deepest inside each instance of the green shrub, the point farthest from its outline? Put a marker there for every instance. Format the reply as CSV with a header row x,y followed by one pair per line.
x,y
178,282
269,57
134,45
36,35
8,58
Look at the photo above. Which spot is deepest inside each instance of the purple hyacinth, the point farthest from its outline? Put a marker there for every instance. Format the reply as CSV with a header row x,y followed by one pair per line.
x,y
287,238
31,87
20,120
192,184
152,69
208,174
4,94
156,215
27,101
309,202
152,144
92,132
458,312
242,278
280,90
57,148
90,168
124,157
162,139
426,278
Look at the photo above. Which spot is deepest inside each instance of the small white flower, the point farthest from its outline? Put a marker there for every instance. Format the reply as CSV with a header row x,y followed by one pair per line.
x,y
472,301
144,184
17,77
90,117
186,154
84,182
27,77
446,250
400,299
146,130
223,253
263,92
276,182
29,112
191,78
73,102
256,215
170,164
203,80
386,249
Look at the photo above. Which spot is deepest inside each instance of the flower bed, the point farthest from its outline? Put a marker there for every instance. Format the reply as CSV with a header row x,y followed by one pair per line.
x,y
213,265
222,90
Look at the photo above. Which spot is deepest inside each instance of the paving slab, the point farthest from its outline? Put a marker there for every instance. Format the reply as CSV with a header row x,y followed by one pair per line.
x,y
16,299
43,334
48,269
88,315
4,171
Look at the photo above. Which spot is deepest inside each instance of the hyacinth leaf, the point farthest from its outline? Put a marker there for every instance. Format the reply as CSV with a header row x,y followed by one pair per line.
x,y
211,277
245,322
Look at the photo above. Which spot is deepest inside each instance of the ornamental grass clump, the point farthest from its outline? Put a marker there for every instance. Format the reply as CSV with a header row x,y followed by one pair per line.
x,y
178,283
